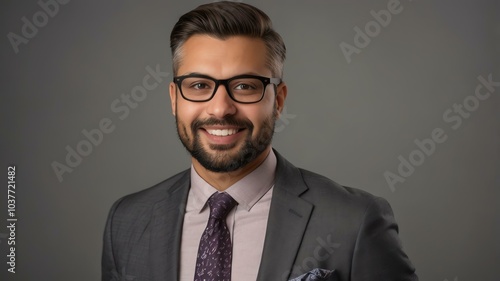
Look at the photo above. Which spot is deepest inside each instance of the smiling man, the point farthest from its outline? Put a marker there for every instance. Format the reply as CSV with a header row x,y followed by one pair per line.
x,y
242,211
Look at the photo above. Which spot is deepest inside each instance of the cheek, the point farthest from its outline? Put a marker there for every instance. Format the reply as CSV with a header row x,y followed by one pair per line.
x,y
259,115
186,113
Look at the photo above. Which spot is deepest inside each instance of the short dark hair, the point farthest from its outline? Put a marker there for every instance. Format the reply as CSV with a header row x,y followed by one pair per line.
x,y
225,19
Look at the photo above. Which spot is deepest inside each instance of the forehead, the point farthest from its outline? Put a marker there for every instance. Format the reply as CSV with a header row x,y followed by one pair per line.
x,y
223,58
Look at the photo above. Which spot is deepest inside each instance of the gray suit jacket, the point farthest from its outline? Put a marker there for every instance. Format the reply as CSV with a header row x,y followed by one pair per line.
x,y
313,223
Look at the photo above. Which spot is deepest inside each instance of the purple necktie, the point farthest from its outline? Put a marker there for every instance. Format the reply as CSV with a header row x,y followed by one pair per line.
x,y
215,251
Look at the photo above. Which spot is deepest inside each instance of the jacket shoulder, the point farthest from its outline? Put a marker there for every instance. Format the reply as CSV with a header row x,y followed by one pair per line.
x,y
153,194
321,191
324,190
319,182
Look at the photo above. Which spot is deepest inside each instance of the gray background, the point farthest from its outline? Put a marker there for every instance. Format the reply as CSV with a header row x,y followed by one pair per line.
x,y
348,121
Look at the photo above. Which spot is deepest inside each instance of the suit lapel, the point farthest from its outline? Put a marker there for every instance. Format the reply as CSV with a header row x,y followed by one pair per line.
x,y
288,218
167,219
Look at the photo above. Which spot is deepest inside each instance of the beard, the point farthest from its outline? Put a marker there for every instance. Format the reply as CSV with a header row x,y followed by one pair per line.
x,y
222,159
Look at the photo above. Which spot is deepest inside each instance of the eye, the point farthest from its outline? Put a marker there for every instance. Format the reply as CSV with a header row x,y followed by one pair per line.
x,y
200,86
243,86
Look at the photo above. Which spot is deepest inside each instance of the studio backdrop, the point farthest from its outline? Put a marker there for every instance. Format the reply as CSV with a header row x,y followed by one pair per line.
x,y
398,98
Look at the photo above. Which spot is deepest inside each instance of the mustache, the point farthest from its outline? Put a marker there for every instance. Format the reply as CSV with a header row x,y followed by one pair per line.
x,y
226,121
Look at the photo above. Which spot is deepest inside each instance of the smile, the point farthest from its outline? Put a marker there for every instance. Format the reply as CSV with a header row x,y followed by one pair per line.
x,y
223,132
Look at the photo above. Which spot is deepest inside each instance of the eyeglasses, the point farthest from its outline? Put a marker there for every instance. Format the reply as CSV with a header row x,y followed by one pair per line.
x,y
241,88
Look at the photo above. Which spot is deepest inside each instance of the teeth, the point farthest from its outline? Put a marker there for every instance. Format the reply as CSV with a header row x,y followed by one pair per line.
x,y
223,133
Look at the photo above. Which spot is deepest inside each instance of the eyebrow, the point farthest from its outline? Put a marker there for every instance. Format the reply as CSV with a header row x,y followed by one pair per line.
x,y
244,73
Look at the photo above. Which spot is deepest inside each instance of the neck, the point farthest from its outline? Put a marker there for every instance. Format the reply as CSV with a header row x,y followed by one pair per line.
x,y
221,181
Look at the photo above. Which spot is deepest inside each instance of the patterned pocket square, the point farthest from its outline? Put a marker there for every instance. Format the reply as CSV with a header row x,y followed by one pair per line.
x,y
317,274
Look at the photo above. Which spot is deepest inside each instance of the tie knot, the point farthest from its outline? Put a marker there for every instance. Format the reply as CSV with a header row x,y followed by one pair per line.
x,y
220,204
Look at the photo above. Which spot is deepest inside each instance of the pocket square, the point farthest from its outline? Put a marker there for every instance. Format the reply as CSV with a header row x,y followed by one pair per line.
x,y
317,274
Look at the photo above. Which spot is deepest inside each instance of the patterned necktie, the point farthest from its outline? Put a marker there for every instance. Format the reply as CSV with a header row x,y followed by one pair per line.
x,y
215,251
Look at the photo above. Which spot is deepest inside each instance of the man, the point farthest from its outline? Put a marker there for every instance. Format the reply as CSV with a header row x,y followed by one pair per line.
x,y
242,212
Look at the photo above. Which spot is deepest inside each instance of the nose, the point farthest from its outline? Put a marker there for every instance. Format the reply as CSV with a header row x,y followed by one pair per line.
x,y
221,104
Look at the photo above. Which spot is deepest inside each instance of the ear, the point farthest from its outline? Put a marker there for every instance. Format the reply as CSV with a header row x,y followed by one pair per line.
x,y
281,92
173,96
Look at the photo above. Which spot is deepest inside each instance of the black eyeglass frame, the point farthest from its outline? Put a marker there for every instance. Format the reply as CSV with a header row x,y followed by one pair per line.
x,y
265,81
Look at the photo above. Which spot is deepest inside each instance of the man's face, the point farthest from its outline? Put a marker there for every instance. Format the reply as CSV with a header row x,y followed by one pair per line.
x,y
221,134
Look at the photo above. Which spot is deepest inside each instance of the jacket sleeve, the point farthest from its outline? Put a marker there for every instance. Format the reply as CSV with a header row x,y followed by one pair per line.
x,y
378,253
108,263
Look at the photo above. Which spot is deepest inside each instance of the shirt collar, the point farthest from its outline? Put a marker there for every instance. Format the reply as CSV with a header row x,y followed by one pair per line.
x,y
246,191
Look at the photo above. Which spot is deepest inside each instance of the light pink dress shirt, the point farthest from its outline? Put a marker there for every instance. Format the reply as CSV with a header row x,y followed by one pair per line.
x,y
247,222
